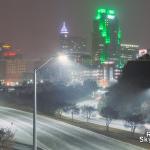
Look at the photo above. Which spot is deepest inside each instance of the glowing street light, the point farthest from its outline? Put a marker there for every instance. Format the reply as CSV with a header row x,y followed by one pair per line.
x,y
63,59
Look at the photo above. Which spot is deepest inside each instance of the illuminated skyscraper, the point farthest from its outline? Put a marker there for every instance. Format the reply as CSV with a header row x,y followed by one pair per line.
x,y
128,52
71,44
63,37
106,37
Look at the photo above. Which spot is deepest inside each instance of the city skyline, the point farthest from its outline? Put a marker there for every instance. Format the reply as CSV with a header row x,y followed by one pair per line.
x,y
74,74
34,27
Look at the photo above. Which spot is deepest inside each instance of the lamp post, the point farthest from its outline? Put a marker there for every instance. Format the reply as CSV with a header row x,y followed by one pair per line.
x,y
63,58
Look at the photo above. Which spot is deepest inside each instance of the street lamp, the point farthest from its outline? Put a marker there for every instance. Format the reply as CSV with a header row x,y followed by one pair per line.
x,y
62,58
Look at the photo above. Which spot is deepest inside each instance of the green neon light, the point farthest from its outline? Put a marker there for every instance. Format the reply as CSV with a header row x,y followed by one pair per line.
x,y
103,57
98,17
111,12
102,10
101,27
111,17
107,41
119,36
98,11
104,16
120,65
104,34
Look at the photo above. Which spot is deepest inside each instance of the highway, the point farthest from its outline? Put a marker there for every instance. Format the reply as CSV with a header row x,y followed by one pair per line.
x,y
56,135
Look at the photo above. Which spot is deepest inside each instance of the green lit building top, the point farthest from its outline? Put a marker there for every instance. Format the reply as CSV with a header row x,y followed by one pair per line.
x,y
106,36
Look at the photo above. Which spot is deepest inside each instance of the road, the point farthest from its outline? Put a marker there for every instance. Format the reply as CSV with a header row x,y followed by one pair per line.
x,y
56,135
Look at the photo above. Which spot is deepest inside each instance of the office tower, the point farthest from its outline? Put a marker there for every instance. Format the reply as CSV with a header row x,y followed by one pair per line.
x,y
69,43
106,37
128,52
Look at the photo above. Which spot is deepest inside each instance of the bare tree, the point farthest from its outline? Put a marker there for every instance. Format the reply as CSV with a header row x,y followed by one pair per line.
x,y
109,114
6,139
74,110
59,112
132,121
88,110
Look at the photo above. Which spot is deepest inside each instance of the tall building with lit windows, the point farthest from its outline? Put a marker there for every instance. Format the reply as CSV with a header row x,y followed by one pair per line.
x,y
63,37
128,52
106,37
69,43
13,66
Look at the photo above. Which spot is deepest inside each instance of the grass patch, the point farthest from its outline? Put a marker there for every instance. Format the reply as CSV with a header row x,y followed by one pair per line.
x,y
118,134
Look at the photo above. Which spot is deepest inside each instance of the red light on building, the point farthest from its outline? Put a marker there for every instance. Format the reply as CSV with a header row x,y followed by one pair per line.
x,y
9,54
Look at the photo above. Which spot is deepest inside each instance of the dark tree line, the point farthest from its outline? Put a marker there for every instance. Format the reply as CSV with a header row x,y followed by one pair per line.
x,y
129,99
51,97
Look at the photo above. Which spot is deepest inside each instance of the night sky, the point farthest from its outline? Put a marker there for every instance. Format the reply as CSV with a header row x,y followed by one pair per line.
x,y
33,25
